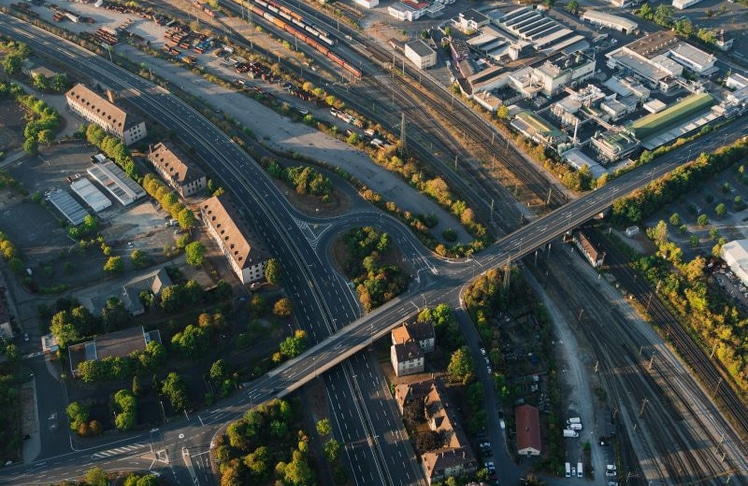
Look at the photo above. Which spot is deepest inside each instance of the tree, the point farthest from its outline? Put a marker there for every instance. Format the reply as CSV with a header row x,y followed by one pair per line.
x,y
136,387
720,210
126,405
324,427
283,307
273,271
663,15
114,265
193,342
139,258
195,253
30,146
114,315
460,366
702,220
186,219
502,113
171,298
675,219
219,371
332,450
12,64
77,414
646,12
175,390
573,7
96,477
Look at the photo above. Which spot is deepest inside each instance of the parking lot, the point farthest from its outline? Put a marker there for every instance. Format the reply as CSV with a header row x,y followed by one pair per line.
x,y
46,247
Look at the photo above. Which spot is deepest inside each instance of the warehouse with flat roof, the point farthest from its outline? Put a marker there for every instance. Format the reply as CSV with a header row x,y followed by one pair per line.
x,y
114,180
95,199
68,206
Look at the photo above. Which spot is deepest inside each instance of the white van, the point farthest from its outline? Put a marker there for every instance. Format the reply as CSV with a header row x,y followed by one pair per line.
x,y
580,470
568,470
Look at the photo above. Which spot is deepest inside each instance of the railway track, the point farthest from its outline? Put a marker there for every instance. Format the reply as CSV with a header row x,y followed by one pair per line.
x,y
710,373
377,86
678,442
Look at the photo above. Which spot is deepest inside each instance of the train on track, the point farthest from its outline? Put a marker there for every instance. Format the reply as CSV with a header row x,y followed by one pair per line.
x,y
294,23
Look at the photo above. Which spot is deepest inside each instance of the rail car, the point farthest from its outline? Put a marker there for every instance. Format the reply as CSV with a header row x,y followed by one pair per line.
x,y
302,36
295,18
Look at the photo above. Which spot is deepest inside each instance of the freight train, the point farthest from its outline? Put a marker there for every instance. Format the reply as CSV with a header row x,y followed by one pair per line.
x,y
280,16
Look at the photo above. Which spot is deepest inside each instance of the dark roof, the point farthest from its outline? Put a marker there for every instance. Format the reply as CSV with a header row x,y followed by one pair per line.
x,y
420,48
407,351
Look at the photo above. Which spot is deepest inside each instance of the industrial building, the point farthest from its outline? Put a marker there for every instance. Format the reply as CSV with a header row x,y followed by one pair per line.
x,y
125,190
118,344
103,112
532,29
659,59
68,206
735,255
683,4
537,129
176,169
614,145
95,199
654,123
246,260
471,20
616,22
420,54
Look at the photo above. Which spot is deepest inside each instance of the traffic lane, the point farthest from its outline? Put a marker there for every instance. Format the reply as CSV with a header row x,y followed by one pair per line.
x,y
350,427
54,440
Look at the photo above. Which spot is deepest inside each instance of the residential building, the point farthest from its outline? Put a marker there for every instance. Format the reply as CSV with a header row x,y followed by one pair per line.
x,y
246,259
456,458
118,344
177,169
735,255
420,332
103,112
420,54
407,358
527,420
154,283
588,249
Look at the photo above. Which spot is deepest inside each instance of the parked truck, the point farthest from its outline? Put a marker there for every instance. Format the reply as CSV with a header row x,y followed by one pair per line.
x,y
576,427
574,420
580,470
571,433
568,470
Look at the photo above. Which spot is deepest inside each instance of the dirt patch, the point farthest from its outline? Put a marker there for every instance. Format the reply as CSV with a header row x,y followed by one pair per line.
x,y
11,125
338,205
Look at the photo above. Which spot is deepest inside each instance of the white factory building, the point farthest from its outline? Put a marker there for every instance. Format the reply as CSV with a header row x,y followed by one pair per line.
x,y
621,24
420,54
735,254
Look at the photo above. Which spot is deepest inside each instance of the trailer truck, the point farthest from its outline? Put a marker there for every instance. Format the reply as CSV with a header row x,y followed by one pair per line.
x,y
571,433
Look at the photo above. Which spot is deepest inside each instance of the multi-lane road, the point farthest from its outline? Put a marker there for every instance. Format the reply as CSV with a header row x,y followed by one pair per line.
x,y
320,296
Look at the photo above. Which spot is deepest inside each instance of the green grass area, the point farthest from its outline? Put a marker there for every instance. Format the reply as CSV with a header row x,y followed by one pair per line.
x,y
538,123
651,124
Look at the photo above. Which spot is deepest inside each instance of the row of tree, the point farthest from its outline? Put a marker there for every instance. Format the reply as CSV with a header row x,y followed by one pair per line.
x,y
665,190
113,148
169,201
663,16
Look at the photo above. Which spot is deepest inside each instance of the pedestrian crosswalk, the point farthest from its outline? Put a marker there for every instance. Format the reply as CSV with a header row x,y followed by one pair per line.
x,y
118,450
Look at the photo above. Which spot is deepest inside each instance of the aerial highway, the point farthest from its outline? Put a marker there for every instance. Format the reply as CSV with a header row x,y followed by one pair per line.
x,y
438,280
